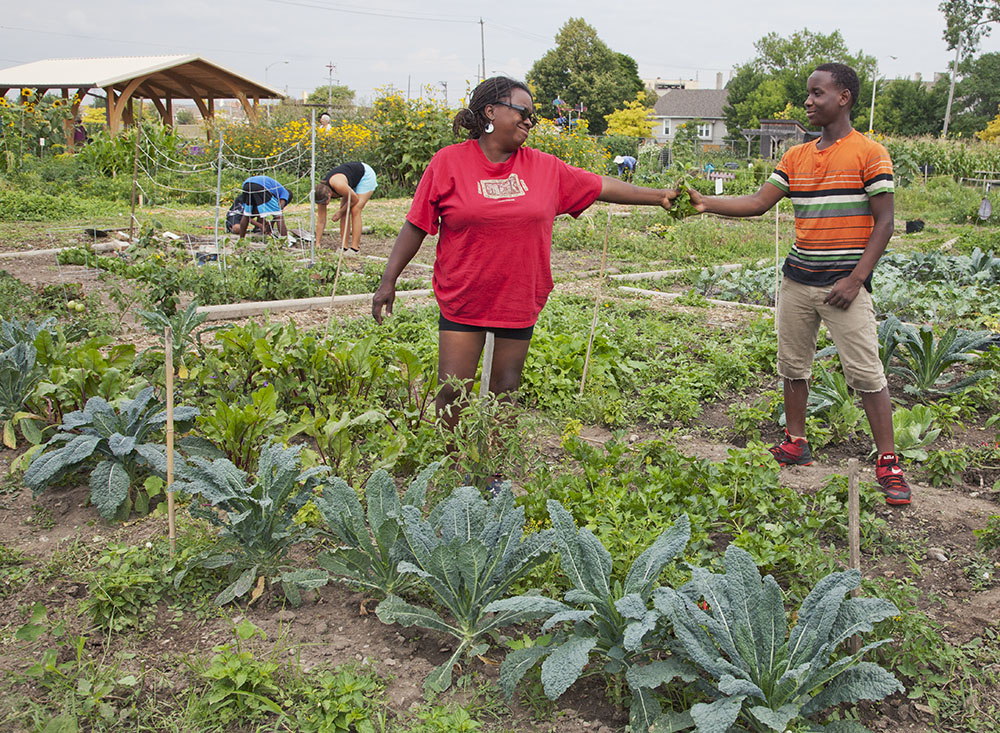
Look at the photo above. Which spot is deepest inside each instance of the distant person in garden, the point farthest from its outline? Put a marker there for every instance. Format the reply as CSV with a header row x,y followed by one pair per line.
x,y
841,187
324,121
348,181
79,133
626,166
493,203
262,198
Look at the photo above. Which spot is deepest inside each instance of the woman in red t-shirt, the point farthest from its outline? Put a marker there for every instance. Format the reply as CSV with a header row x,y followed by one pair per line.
x,y
494,203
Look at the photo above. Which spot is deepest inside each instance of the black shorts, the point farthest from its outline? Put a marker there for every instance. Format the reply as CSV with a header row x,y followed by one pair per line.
x,y
518,334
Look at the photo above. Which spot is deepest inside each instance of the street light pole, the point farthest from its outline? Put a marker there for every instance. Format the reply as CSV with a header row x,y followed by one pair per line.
x,y
266,68
871,114
330,67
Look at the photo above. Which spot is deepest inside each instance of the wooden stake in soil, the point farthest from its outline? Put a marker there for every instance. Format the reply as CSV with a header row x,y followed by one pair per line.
x,y
340,258
854,532
168,343
487,374
597,303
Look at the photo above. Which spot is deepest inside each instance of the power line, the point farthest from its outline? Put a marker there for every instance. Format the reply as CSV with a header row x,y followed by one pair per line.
x,y
335,7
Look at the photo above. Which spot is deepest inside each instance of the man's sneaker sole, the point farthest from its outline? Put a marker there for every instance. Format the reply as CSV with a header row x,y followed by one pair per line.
x,y
896,502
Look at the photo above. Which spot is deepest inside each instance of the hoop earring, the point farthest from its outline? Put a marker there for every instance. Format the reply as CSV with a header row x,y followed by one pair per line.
x,y
489,127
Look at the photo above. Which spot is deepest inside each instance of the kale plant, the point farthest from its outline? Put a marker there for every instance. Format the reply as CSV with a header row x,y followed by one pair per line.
x,y
256,518
611,619
371,543
19,373
121,438
732,626
467,554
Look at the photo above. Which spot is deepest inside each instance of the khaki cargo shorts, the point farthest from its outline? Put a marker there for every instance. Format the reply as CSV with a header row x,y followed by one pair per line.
x,y
800,311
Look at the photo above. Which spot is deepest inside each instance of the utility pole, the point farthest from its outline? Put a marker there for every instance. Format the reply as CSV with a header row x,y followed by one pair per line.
x,y
330,67
482,48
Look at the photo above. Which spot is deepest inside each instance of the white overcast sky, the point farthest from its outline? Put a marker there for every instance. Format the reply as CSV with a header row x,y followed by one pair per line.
x,y
414,44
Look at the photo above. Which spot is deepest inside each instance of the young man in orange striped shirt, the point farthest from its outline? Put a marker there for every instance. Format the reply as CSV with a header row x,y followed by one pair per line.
x,y
841,188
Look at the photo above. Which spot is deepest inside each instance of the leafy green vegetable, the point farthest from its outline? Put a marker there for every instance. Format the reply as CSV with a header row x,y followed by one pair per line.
x,y
371,542
120,437
611,619
912,431
257,525
467,554
925,361
732,627
682,206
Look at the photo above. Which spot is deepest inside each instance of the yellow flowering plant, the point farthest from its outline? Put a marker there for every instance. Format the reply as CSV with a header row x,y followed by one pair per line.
x,y
573,144
407,133
26,121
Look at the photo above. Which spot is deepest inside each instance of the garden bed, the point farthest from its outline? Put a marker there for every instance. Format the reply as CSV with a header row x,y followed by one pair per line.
x,y
680,401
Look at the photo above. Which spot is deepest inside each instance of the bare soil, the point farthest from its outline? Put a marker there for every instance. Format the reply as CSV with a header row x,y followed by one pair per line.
x,y
332,627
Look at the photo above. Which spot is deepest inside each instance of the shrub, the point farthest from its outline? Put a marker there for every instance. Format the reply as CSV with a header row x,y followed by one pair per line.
x,y
573,146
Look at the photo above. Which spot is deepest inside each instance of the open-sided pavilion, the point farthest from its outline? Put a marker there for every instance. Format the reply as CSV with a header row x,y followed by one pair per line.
x,y
160,79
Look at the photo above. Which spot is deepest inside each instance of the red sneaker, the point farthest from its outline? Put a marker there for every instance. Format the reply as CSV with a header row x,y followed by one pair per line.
x,y
890,479
792,452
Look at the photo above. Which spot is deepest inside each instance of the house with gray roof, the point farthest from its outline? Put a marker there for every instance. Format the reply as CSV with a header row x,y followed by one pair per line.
x,y
681,106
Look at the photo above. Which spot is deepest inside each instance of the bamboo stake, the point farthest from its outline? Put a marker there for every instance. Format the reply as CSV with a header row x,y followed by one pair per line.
x,y
168,339
597,303
854,532
487,374
340,258
777,265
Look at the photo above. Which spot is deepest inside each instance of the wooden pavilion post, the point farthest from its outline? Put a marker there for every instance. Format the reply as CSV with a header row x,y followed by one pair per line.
x,y
112,113
69,123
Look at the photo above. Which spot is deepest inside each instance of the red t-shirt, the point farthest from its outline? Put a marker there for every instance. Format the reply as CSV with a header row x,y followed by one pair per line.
x,y
492,266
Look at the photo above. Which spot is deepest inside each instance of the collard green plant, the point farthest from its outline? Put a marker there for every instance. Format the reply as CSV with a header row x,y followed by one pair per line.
x,y
256,519
732,626
611,618
830,397
926,360
371,539
912,431
120,439
467,554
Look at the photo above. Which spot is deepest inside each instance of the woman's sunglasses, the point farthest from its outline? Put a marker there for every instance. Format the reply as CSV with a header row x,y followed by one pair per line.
x,y
526,114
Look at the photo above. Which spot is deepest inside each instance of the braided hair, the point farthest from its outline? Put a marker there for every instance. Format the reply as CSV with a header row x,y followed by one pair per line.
x,y
491,91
